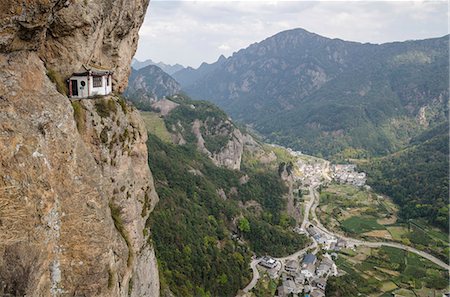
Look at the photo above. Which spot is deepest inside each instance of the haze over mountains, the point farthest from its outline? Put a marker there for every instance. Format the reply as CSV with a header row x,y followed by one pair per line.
x,y
148,84
342,100
169,69
324,95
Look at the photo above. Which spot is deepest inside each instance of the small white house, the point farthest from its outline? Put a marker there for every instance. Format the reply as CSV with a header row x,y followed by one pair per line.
x,y
90,81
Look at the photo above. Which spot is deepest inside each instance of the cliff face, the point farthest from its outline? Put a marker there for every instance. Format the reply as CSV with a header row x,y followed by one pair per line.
x,y
69,33
75,187
229,153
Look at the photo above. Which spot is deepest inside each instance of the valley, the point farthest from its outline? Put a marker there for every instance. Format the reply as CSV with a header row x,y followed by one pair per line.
x,y
339,219
362,210
287,164
368,252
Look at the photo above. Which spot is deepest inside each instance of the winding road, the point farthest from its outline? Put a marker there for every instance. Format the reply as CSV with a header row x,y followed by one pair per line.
x,y
371,244
310,208
255,277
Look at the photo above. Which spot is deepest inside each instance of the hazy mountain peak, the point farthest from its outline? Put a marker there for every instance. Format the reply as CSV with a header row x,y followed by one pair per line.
x,y
169,69
331,88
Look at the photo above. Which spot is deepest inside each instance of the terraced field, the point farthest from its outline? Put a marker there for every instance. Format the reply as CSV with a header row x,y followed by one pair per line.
x,y
386,271
361,213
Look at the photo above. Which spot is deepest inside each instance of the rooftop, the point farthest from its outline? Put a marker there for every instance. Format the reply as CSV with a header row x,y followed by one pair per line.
x,y
86,70
309,259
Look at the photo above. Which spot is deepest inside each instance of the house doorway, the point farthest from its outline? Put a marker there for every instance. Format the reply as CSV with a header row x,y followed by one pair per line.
x,y
74,84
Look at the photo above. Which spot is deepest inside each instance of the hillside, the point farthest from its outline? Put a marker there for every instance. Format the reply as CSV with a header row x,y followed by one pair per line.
x,y
211,216
416,177
322,95
189,75
149,84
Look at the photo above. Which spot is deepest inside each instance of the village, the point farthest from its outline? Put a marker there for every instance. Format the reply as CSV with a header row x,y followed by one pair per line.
x,y
307,276
347,174
306,272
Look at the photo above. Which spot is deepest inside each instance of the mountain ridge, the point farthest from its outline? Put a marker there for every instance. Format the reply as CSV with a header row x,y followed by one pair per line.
x,y
148,85
167,68
295,74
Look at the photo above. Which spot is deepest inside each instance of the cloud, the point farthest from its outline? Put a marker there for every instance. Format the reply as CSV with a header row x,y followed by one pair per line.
x,y
191,32
224,47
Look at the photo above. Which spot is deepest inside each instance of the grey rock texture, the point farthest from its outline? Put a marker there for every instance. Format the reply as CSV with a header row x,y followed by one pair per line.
x,y
75,186
68,34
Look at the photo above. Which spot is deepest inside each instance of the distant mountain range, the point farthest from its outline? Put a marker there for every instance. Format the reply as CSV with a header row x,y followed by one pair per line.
x,y
149,84
385,105
188,76
169,69
325,96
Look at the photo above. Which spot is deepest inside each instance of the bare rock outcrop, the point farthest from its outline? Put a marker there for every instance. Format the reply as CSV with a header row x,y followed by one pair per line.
x,y
75,186
72,204
230,154
70,33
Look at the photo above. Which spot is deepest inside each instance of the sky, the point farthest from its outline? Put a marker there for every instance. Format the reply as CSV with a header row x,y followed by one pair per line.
x,y
192,32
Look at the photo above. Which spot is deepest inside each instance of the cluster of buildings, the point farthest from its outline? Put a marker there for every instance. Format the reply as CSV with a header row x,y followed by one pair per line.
x,y
347,174
311,173
298,278
327,241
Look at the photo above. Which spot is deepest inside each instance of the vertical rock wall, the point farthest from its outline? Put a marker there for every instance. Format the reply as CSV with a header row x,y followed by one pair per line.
x,y
75,187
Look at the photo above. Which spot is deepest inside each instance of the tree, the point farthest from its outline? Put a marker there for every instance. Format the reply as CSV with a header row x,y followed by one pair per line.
x,y
244,225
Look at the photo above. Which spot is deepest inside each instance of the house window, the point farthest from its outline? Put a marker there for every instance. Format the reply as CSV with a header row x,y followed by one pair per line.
x,y
97,81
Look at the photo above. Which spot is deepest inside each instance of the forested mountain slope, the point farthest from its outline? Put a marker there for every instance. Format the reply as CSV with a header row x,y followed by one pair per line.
x,y
417,177
212,216
324,95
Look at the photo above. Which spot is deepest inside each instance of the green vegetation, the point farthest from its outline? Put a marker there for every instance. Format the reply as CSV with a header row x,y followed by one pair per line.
x,y
123,104
215,127
417,178
130,286
354,210
155,125
360,225
244,225
148,84
79,114
269,239
214,143
118,223
195,231
386,270
105,106
367,100
265,287
58,80
362,213
397,232
110,278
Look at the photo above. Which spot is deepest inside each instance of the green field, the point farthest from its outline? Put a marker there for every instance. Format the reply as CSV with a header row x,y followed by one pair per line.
x,y
397,232
353,210
155,125
347,209
360,225
385,271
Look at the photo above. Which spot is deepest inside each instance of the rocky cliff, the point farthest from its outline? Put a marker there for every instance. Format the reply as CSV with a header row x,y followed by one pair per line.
x,y
69,33
75,187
